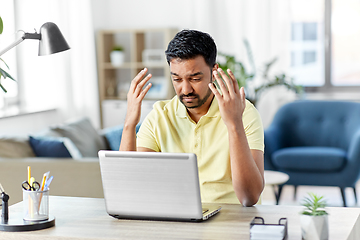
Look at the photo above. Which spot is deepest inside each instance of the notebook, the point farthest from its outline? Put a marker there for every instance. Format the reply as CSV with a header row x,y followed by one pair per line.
x,y
152,185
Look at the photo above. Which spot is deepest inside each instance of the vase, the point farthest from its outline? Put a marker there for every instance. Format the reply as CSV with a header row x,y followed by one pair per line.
x,y
117,58
314,227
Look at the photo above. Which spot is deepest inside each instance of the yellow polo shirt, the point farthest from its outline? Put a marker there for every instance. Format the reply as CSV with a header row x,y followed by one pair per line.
x,y
168,128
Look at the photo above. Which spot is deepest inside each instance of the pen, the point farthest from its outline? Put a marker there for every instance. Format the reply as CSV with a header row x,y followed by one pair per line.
x,y
47,184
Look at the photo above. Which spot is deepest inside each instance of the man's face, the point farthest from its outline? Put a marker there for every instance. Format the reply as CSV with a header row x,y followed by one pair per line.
x,y
190,78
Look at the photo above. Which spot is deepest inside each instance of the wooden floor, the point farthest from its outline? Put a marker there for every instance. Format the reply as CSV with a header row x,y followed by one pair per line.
x,y
331,194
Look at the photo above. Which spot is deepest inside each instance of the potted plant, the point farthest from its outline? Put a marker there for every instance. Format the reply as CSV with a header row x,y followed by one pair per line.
x,y
3,73
314,219
245,77
117,55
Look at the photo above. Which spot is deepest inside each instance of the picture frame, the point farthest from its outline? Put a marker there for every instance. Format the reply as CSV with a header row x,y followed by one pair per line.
x,y
153,56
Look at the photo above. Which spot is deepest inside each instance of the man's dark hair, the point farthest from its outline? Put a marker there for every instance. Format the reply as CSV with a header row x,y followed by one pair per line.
x,y
188,44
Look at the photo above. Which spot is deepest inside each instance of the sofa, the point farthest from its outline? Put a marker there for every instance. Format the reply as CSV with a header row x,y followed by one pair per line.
x,y
68,151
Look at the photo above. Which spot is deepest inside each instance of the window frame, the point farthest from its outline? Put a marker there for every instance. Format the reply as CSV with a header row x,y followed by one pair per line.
x,y
328,87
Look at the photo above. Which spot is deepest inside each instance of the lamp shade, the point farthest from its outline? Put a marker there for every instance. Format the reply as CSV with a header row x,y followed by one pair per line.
x,y
52,41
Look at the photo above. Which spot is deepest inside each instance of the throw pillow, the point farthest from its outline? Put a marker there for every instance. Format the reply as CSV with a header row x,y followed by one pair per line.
x,y
15,147
113,136
54,147
83,135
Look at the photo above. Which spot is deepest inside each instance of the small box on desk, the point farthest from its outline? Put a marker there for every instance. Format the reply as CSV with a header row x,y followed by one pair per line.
x,y
260,230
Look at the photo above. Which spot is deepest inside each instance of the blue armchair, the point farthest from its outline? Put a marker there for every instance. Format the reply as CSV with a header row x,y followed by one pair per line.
x,y
316,143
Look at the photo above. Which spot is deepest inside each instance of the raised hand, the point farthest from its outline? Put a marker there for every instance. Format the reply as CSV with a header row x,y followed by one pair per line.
x,y
135,97
231,100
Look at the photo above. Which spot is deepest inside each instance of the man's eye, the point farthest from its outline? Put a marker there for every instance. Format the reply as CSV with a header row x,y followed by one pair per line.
x,y
196,79
176,79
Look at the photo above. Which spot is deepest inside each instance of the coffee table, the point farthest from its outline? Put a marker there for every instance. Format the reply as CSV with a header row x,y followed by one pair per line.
x,y
274,179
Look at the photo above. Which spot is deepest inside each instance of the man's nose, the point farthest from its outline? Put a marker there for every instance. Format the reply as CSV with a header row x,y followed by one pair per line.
x,y
187,88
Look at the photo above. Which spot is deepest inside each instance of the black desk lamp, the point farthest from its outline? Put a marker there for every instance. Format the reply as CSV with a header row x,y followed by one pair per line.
x,y
50,37
5,208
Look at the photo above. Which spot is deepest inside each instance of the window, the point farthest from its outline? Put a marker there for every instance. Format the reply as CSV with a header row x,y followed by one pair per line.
x,y
6,38
324,47
345,38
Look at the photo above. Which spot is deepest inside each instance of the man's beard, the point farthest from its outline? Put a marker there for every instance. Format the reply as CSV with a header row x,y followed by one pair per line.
x,y
199,103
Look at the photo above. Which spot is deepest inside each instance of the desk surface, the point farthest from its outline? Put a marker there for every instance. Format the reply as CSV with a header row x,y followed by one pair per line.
x,y
86,218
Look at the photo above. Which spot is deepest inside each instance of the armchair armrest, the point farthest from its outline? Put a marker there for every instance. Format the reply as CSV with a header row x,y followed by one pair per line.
x,y
354,148
273,142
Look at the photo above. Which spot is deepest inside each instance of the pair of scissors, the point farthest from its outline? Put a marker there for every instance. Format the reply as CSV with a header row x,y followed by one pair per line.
x,y
35,186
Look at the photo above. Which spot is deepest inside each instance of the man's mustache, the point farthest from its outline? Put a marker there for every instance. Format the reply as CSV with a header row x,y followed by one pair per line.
x,y
188,95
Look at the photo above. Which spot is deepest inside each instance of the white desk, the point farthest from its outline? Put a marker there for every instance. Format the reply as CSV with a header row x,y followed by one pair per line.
x,y
85,218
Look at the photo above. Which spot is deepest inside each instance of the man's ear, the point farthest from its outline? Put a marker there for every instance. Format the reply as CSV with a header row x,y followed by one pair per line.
x,y
216,66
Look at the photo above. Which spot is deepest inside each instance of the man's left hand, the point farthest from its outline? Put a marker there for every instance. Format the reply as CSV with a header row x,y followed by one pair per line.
x,y
232,100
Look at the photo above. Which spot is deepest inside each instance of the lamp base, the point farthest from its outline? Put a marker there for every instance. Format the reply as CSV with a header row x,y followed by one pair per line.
x,y
19,225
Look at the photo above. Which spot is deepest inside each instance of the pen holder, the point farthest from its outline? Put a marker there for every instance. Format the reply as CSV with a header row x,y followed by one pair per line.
x,y
36,205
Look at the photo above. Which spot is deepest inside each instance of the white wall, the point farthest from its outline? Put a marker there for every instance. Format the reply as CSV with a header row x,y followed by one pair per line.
x,y
212,16
143,13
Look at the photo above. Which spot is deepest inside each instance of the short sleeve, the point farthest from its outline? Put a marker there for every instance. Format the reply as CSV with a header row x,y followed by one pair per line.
x,y
146,135
253,127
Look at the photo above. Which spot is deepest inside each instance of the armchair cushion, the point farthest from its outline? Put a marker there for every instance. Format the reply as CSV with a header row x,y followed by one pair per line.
x,y
310,159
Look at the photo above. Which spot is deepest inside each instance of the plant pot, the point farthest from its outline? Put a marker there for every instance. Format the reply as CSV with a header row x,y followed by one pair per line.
x,y
117,58
314,227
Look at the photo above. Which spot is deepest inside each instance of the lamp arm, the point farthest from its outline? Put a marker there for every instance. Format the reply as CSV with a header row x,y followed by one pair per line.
x,y
22,38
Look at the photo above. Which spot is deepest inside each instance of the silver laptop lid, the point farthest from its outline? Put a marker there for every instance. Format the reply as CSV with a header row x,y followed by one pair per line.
x,y
151,184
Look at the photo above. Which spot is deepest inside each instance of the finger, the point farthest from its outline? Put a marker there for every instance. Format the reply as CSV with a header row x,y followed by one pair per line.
x,y
140,85
215,91
235,83
145,91
229,83
220,82
242,94
138,78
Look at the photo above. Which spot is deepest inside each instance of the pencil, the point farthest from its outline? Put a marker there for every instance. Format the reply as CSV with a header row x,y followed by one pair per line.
x,y
29,174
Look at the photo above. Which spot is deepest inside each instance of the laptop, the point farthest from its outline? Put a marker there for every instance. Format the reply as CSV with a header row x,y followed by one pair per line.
x,y
153,185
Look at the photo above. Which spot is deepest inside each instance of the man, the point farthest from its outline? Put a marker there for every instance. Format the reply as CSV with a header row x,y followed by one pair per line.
x,y
220,126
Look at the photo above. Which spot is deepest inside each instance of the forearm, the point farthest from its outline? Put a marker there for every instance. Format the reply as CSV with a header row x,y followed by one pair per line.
x,y
128,138
246,167
135,96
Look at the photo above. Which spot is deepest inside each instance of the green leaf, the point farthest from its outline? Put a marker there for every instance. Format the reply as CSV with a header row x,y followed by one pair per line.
x,y
4,63
2,87
5,74
314,205
1,25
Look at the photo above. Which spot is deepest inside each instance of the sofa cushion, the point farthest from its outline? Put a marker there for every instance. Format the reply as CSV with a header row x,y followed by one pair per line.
x,y
15,147
83,135
54,147
113,136
308,159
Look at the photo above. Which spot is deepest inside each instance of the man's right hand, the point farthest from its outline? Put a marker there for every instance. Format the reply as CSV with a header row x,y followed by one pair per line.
x,y
135,96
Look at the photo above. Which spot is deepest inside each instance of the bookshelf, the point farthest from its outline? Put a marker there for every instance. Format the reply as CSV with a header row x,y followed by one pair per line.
x,y
142,48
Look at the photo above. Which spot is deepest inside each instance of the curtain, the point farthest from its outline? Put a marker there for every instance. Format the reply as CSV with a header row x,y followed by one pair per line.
x,y
266,26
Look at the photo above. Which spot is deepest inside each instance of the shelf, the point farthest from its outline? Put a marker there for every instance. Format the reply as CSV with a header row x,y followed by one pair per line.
x,y
142,48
